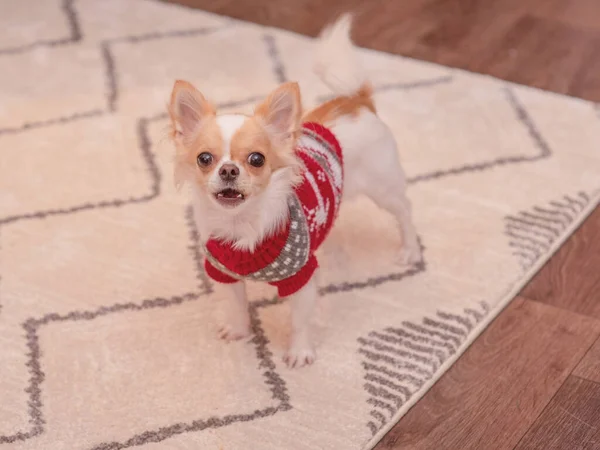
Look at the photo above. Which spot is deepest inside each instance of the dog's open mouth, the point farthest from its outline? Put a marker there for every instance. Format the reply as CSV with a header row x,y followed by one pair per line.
x,y
230,197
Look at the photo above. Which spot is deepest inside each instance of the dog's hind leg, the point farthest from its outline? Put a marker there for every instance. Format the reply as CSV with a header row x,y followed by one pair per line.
x,y
392,198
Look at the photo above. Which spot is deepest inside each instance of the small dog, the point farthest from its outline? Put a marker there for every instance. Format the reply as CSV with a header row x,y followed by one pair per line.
x,y
267,187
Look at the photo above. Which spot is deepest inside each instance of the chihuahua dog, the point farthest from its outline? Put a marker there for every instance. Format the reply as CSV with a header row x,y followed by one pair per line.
x,y
267,187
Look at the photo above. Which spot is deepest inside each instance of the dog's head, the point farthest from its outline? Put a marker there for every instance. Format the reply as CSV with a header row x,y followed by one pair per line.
x,y
234,158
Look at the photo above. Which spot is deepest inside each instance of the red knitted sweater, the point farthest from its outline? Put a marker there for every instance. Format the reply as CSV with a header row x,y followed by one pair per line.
x,y
286,259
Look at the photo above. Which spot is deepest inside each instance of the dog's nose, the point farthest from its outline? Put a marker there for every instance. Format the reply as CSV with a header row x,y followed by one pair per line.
x,y
229,172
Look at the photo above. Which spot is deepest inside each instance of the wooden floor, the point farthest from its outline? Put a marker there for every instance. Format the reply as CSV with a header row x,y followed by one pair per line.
x,y
532,380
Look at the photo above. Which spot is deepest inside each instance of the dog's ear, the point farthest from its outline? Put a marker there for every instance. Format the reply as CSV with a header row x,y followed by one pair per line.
x,y
187,109
281,112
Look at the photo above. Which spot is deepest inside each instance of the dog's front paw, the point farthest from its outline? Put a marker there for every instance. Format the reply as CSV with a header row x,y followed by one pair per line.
x,y
231,332
299,356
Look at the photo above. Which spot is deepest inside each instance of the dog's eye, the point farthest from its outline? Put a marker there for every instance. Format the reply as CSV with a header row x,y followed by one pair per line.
x,y
256,159
204,159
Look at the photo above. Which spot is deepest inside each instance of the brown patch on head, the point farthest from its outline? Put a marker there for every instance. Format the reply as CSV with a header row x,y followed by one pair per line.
x,y
271,132
252,138
208,140
333,109
194,131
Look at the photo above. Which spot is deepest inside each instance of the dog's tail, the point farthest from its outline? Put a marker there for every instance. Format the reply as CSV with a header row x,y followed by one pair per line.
x,y
337,63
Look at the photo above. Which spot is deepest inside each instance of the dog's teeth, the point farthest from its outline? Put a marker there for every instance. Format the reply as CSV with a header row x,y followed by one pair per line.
x,y
239,196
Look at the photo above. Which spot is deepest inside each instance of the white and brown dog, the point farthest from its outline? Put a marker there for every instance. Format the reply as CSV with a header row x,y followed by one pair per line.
x,y
267,187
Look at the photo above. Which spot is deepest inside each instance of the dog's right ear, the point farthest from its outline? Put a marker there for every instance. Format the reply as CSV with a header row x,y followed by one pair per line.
x,y
281,112
187,109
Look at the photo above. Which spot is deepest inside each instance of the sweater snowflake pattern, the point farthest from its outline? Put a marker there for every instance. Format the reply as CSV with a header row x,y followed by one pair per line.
x,y
286,259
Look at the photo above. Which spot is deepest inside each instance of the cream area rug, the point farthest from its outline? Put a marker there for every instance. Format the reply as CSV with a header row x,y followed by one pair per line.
x,y
107,321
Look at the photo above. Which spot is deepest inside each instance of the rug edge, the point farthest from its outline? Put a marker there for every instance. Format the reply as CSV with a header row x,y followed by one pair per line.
x,y
506,299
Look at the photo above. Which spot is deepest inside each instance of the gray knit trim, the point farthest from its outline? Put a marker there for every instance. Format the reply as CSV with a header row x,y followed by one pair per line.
x,y
293,256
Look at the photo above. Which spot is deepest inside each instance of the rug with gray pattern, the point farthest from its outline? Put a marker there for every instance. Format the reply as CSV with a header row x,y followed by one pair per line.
x,y
107,321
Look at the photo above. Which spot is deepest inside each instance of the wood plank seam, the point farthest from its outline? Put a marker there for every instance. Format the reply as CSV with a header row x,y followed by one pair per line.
x,y
551,399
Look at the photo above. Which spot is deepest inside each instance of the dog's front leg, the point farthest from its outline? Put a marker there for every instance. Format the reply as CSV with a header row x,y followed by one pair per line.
x,y
301,351
237,322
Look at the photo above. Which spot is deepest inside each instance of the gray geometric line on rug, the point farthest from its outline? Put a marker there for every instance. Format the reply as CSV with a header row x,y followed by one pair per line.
x,y
152,168
74,33
522,116
32,325
413,84
53,121
276,61
154,191
419,329
378,416
417,336
273,380
148,157
111,76
391,381
276,384
112,96
106,47
347,286
413,357
403,86
533,232
417,348
382,381
534,133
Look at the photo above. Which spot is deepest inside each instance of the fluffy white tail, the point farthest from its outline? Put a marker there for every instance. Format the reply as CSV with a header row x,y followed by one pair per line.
x,y
336,60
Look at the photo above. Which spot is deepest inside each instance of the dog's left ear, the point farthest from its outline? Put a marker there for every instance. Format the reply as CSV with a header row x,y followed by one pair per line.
x,y
187,109
281,112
